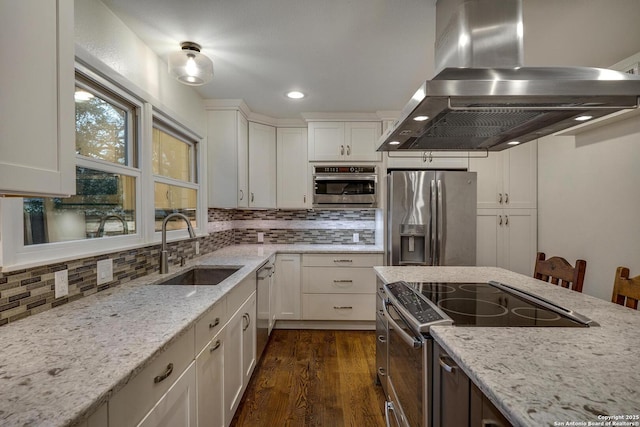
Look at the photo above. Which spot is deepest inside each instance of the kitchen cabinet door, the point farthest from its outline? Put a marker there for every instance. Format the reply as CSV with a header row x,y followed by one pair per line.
x,y
428,160
287,287
292,168
362,141
210,373
178,405
262,166
507,238
227,159
248,339
326,141
344,141
507,179
37,136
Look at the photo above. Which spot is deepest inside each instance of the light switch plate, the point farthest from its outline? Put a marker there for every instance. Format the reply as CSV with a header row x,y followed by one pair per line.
x,y
105,271
260,237
61,279
197,248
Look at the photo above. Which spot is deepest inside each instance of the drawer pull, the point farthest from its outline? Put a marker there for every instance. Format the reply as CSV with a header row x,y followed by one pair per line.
x,y
215,323
342,307
342,260
215,346
382,338
164,376
381,372
343,281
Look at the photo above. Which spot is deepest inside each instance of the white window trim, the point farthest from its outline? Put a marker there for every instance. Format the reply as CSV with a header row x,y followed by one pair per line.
x,y
14,255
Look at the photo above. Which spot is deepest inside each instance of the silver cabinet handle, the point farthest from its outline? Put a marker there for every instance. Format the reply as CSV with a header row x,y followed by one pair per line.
x,y
241,194
382,338
342,150
164,376
343,281
342,307
506,198
215,323
447,364
248,319
215,346
252,197
348,150
500,198
381,372
342,260
506,220
500,220
304,199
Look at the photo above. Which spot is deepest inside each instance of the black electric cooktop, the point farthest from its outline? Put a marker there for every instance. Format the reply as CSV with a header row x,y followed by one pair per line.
x,y
479,304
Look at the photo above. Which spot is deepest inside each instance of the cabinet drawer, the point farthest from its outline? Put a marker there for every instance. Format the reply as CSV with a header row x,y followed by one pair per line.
x,y
129,405
333,280
210,324
341,260
338,307
238,295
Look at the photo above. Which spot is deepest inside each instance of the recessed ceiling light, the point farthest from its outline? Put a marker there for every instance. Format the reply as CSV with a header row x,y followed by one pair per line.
x,y
420,118
294,94
394,143
513,143
583,118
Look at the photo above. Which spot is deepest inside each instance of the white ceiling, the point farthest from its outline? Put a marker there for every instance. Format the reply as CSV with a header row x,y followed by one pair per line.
x,y
356,55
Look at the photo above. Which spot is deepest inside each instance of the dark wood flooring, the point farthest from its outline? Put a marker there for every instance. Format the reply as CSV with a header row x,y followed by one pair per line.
x,y
314,378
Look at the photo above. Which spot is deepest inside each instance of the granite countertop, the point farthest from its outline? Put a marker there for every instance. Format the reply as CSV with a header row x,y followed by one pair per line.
x,y
59,366
545,376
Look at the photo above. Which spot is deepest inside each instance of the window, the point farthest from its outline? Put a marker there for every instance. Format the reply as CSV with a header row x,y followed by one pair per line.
x,y
175,175
106,174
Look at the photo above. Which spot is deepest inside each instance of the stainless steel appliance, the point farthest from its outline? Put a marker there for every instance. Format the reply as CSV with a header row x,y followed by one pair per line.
x,y
412,308
345,186
484,98
263,300
431,218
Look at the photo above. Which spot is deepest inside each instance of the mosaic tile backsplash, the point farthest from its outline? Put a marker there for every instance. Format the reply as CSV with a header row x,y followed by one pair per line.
x,y
27,292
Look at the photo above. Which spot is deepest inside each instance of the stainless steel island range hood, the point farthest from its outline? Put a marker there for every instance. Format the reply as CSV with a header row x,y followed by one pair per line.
x,y
483,99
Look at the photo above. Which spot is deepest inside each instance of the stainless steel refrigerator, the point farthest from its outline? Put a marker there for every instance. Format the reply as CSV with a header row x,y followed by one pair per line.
x,y
431,218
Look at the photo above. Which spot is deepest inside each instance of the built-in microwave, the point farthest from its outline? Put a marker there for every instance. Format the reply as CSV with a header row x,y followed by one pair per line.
x,y
345,186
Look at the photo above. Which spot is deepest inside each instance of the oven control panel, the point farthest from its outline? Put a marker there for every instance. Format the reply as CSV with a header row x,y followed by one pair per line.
x,y
422,313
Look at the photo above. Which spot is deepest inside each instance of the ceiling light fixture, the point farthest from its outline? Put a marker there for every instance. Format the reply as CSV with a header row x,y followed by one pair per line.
x,y
513,143
420,118
190,66
294,94
394,143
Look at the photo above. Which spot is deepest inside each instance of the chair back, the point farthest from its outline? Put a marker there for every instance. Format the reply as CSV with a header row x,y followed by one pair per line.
x,y
558,271
626,291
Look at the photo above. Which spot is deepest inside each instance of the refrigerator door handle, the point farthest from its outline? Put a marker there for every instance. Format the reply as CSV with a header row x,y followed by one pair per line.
x,y
433,259
440,222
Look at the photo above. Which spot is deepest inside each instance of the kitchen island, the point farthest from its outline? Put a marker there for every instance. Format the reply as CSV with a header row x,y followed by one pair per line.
x,y
59,367
545,376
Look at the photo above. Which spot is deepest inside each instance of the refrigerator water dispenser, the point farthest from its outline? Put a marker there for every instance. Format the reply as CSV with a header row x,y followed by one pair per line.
x,y
413,241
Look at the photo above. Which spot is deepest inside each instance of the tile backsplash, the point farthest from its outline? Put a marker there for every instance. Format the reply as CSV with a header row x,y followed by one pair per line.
x,y
30,291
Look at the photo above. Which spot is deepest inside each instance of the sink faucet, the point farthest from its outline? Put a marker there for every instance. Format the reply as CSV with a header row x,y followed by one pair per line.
x,y
104,219
164,255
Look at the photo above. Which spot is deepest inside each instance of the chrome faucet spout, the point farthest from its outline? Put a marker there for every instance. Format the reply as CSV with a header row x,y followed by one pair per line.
x,y
104,219
164,255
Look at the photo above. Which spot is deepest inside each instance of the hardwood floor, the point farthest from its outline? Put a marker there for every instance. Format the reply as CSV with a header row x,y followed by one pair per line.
x,y
314,378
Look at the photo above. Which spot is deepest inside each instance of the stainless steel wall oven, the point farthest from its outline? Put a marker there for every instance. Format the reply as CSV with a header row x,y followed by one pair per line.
x,y
345,186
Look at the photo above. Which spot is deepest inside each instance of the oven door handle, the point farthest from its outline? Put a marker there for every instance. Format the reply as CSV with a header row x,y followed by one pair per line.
x,y
412,341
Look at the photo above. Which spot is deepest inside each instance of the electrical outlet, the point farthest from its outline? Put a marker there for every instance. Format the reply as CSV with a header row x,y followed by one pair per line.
x,y
61,283
197,248
105,271
356,237
260,237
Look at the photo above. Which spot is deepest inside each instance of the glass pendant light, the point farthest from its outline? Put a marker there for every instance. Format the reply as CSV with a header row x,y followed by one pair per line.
x,y
190,66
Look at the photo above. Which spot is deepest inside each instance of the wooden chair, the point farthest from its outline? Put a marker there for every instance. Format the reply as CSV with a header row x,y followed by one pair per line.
x,y
626,291
559,272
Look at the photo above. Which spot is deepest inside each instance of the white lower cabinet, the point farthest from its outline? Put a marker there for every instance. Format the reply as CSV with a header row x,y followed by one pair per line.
x,y
210,381
177,407
507,238
339,286
287,287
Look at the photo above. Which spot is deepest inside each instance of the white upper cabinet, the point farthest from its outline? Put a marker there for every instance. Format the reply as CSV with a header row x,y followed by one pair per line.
x,y
507,179
262,166
37,135
344,141
228,157
292,168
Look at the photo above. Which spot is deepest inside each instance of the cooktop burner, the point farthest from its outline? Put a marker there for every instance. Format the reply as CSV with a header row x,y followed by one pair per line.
x,y
479,304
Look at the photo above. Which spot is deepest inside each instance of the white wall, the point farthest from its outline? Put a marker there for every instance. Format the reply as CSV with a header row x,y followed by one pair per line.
x,y
105,37
589,201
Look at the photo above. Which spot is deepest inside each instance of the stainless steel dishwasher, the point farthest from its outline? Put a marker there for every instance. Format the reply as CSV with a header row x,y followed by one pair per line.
x,y
263,289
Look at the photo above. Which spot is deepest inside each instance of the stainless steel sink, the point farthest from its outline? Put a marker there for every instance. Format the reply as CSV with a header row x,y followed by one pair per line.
x,y
203,275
